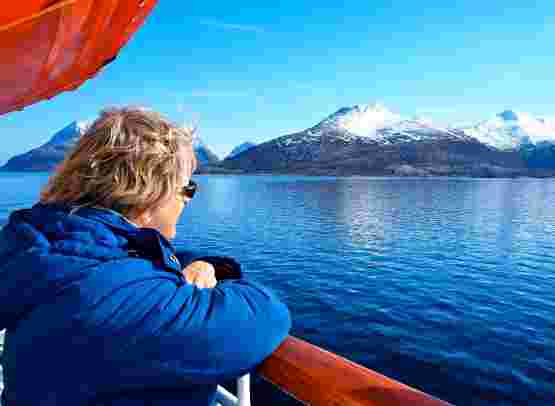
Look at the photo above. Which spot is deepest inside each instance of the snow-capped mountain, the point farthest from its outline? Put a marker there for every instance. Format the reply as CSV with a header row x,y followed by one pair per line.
x,y
48,155
374,123
70,134
372,140
362,120
240,148
204,154
513,130
369,140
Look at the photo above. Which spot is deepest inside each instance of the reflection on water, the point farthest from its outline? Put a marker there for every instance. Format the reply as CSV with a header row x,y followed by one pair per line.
x,y
445,284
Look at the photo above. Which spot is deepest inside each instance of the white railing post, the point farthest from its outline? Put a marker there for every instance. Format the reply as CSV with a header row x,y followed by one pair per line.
x,y
2,336
244,390
243,398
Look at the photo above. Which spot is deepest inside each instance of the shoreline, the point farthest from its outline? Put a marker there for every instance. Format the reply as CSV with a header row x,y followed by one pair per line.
x,y
550,175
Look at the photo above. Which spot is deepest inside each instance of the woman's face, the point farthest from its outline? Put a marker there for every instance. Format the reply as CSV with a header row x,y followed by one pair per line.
x,y
165,217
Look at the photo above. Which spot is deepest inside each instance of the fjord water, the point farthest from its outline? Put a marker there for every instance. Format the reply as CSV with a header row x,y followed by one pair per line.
x,y
446,284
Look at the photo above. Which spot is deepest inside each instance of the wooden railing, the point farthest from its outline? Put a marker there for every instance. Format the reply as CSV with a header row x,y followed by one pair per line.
x,y
318,377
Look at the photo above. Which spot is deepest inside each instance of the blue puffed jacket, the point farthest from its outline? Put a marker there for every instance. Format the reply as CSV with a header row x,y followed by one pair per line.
x,y
98,313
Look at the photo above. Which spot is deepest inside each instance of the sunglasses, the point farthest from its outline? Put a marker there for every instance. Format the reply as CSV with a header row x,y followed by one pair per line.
x,y
189,190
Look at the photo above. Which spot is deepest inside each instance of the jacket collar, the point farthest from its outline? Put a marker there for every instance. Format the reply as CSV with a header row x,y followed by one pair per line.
x,y
146,242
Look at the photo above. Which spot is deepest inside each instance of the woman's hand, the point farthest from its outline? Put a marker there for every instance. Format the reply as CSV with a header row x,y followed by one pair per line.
x,y
201,274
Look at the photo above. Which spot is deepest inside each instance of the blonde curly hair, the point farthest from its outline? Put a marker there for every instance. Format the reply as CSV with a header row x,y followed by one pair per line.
x,y
129,160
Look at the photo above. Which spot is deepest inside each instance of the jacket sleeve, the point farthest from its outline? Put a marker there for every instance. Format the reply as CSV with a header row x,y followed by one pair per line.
x,y
200,335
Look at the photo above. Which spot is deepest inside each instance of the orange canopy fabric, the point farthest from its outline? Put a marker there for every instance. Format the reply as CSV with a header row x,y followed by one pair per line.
x,y
47,46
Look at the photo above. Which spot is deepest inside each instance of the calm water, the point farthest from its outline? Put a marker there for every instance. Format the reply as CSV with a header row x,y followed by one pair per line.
x,y
445,284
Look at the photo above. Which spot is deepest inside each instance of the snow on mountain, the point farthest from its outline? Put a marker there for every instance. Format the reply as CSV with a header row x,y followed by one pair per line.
x,y
417,129
373,123
49,154
362,120
240,148
511,130
69,134
507,130
371,140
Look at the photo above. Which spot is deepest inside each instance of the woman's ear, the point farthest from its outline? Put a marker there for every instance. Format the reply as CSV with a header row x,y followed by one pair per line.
x,y
146,219
142,218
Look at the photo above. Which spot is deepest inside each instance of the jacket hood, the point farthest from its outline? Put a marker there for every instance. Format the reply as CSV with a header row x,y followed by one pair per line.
x,y
48,248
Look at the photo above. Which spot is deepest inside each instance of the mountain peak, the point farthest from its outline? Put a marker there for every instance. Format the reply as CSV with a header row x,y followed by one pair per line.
x,y
69,133
365,119
375,106
197,142
240,148
510,129
508,115
511,116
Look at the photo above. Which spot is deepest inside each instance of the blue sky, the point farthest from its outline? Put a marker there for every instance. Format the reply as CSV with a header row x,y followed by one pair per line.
x,y
254,71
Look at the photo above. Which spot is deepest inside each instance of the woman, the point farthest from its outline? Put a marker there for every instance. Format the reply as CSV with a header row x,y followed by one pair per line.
x,y
97,306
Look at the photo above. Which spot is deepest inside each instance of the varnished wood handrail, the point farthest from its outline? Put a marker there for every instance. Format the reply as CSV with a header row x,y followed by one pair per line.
x,y
318,377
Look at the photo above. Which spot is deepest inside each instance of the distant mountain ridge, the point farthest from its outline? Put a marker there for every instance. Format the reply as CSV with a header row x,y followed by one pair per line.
x,y
50,154
512,130
368,140
204,155
240,148
371,140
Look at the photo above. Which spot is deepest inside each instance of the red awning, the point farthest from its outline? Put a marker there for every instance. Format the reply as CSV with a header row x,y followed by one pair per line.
x,y
47,47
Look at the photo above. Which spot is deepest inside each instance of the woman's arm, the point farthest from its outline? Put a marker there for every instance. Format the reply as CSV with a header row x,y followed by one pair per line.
x,y
202,335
